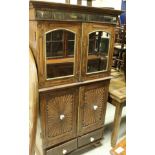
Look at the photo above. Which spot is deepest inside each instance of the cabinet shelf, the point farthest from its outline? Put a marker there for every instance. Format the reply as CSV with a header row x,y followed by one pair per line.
x,y
71,60
59,61
96,57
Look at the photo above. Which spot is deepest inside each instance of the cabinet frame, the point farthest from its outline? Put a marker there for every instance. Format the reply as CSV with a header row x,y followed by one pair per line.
x,y
48,16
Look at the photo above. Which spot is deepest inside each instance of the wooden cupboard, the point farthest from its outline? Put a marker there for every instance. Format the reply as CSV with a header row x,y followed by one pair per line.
x,y
73,48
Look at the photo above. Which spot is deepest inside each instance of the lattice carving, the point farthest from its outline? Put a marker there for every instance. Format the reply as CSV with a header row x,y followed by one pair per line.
x,y
94,97
56,106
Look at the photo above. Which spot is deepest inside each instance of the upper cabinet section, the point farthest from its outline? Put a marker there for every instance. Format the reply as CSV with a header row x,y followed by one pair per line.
x,y
71,44
60,47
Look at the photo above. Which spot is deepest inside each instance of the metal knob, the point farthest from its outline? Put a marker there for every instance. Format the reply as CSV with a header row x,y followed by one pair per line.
x,y
92,139
64,151
95,107
62,117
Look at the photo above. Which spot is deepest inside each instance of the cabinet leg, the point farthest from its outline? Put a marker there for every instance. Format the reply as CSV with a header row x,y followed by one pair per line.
x,y
116,125
97,144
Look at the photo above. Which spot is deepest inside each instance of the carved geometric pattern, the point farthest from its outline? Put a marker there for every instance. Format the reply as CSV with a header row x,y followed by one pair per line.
x,y
94,97
63,15
56,106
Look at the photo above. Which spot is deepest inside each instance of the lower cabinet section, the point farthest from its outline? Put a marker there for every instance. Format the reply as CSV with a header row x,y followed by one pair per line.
x,y
73,117
63,149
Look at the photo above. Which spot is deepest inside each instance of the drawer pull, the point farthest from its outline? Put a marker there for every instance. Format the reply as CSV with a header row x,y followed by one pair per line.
x,y
95,107
62,117
92,139
64,151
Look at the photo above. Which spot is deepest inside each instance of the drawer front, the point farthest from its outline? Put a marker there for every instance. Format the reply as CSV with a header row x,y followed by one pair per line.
x,y
59,116
63,149
90,138
93,101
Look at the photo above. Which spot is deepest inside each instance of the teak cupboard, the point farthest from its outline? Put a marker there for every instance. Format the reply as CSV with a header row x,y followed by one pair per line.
x,y
73,47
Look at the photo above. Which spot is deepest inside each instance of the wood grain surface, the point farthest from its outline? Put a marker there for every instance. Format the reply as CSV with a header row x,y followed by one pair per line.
x,y
33,102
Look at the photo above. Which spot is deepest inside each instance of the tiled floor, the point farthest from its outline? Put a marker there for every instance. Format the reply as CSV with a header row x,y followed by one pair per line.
x,y
106,145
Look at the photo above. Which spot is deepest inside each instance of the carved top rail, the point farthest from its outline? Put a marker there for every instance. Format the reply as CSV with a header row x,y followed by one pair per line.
x,y
66,12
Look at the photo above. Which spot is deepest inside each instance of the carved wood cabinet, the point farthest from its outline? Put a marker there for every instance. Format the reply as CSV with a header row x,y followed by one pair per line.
x,y
73,48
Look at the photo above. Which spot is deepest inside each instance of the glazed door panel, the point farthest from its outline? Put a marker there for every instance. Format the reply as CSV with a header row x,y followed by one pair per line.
x,y
58,113
59,46
93,98
97,50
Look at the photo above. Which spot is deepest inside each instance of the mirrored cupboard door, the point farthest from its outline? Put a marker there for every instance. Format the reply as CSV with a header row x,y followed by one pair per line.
x,y
97,51
61,46
60,57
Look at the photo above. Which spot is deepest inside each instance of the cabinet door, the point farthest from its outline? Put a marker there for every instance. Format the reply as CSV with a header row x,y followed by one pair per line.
x,y
93,101
58,116
97,46
59,48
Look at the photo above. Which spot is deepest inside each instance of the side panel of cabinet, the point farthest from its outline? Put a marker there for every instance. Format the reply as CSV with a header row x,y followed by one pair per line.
x,y
92,106
59,116
87,29
42,29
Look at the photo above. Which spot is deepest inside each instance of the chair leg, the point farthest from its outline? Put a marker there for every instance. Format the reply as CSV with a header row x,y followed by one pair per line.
x,y
116,125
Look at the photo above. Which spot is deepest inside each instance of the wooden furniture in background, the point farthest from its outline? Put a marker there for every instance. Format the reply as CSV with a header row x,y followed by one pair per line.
x,y
33,103
89,2
73,47
120,148
67,1
117,97
79,2
119,57
120,35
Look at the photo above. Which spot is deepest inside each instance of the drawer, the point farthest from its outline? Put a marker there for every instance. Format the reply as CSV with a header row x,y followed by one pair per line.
x,y
63,149
90,138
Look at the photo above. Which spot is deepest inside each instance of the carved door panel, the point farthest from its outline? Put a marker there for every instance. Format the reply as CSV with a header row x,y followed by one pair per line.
x,y
93,101
58,113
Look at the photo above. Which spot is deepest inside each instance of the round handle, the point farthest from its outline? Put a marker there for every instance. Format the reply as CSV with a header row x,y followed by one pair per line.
x,y
92,139
64,151
62,117
95,107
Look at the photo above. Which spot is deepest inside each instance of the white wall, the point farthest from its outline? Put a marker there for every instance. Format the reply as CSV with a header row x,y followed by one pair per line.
x,y
108,3
96,3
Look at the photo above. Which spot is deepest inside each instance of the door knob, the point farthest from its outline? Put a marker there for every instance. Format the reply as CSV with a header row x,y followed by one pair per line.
x,y
92,139
62,117
95,107
64,151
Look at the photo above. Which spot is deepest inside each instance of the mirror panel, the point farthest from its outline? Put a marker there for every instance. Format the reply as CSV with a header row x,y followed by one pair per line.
x,y
60,47
98,49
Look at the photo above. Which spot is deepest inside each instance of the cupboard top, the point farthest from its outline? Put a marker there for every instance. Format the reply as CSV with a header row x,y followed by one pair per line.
x,y
58,11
